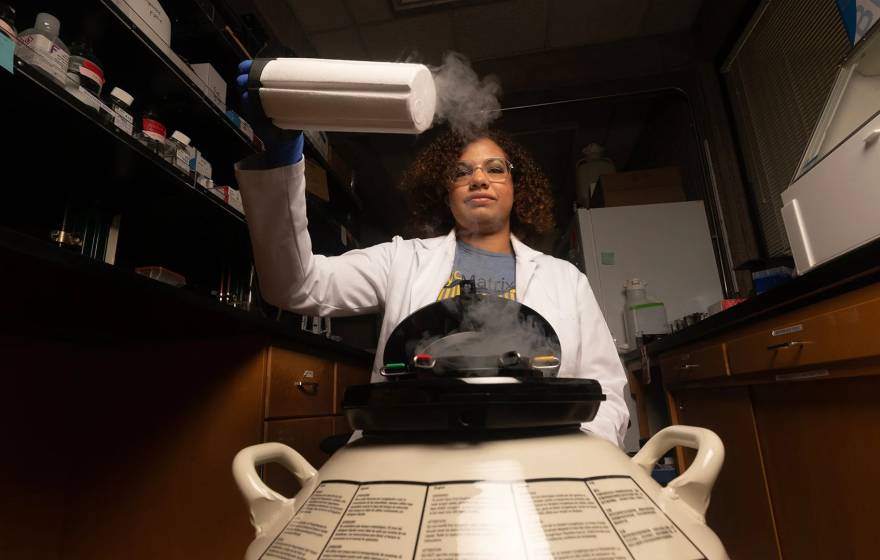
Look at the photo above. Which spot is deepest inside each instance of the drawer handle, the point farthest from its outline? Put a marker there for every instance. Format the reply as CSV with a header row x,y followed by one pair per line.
x,y
306,384
789,344
872,136
684,367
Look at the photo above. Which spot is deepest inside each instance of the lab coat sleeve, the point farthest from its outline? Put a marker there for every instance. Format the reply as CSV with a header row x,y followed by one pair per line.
x,y
291,277
598,359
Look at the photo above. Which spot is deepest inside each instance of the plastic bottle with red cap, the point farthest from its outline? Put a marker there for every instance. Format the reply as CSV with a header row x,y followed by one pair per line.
x,y
152,131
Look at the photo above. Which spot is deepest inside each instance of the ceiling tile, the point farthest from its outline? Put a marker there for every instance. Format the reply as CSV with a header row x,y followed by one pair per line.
x,y
586,22
341,43
670,16
500,28
429,35
369,11
320,16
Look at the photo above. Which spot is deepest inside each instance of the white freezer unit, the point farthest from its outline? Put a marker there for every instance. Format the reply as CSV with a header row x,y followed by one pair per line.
x,y
833,203
835,207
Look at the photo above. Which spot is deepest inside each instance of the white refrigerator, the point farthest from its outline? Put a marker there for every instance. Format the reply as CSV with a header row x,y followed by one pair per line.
x,y
666,245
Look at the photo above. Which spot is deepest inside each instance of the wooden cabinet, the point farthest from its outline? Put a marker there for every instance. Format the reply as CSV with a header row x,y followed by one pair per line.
x,y
304,407
694,362
125,450
803,339
299,384
341,426
305,436
819,442
799,417
740,510
346,376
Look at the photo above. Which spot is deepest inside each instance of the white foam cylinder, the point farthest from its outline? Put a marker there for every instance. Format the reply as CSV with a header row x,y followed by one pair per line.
x,y
347,95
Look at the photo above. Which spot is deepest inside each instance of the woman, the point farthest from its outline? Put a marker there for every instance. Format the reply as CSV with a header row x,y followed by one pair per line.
x,y
473,193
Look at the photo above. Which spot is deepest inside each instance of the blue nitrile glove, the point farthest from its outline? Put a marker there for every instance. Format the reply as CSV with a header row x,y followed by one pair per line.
x,y
283,147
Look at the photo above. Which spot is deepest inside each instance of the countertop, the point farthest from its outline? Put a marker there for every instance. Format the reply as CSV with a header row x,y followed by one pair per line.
x,y
851,271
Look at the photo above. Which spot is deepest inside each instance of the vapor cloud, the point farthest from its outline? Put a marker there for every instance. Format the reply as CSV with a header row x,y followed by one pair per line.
x,y
464,100
488,325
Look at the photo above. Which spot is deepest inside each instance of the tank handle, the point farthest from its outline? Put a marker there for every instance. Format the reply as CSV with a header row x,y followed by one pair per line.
x,y
265,504
694,485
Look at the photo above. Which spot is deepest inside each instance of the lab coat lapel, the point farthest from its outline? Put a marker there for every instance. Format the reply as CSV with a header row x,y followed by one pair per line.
x,y
525,266
433,267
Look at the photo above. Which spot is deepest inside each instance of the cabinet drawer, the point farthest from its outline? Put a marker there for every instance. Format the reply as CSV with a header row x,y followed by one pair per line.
x,y
347,375
691,364
842,334
299,385
304,436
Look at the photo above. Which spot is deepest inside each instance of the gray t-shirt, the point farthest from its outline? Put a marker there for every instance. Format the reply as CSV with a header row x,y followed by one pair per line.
x,y
492,273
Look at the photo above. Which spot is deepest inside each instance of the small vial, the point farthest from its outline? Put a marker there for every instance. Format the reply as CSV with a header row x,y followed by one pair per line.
x,y
152,130
120,105
178,152
84,69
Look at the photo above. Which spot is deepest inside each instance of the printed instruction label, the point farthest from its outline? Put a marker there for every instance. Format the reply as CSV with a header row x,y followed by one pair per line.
x,y
787,330
603,518
38,50
123,121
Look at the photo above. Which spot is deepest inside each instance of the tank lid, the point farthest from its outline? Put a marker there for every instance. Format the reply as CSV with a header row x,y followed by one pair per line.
x,y
471,404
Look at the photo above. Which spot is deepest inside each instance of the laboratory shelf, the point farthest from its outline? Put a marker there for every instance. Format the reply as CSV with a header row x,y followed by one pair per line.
x,y
61,296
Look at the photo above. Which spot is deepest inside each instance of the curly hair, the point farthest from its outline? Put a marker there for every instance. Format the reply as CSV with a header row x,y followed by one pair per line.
x,y
426,184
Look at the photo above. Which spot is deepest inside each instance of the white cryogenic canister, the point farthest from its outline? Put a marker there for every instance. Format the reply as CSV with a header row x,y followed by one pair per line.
x,y
344,95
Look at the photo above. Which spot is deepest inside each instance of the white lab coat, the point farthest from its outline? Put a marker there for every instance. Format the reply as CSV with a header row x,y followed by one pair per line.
x,y
403,275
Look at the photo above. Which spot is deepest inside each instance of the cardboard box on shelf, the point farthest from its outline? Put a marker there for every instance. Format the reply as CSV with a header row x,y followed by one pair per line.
x,y
230,196
647,186
215,86
152,20
316,180
219,192
242,124
202,168
233,198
